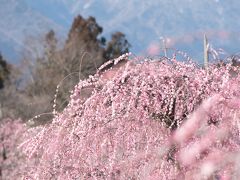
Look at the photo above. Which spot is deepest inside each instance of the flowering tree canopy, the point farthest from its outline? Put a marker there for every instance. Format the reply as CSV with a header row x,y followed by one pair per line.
x,y
152,119
138,120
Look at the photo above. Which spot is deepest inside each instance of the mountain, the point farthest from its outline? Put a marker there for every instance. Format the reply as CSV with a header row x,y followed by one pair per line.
x,y
181,23
19,23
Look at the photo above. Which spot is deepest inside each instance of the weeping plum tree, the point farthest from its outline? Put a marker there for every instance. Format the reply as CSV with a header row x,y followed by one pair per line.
x,y
156,119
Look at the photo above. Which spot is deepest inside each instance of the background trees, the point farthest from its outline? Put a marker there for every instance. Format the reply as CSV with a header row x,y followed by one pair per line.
x,y
117,46
4,71
46,66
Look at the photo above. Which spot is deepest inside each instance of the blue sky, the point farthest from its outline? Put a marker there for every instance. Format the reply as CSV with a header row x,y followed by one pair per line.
x,y
144,22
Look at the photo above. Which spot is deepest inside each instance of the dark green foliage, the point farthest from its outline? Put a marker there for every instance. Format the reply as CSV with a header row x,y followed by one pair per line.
x,y
117,46
4,71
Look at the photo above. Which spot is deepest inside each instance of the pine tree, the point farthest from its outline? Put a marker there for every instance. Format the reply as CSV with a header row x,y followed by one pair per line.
x,y
117,46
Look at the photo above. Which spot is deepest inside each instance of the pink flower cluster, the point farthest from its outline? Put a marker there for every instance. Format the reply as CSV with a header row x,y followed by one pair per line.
x,y
12,161
160,119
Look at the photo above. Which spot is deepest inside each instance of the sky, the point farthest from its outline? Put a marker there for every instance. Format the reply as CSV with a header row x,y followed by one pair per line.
x,y
180,23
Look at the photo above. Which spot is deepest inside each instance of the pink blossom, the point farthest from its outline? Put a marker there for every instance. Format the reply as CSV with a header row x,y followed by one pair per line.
x,y
159,119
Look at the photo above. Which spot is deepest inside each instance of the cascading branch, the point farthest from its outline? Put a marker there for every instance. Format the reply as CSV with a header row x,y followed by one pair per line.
x,y
142,123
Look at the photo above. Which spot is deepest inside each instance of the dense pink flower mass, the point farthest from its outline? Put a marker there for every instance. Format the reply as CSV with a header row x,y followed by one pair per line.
x,y
11,158
160,119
